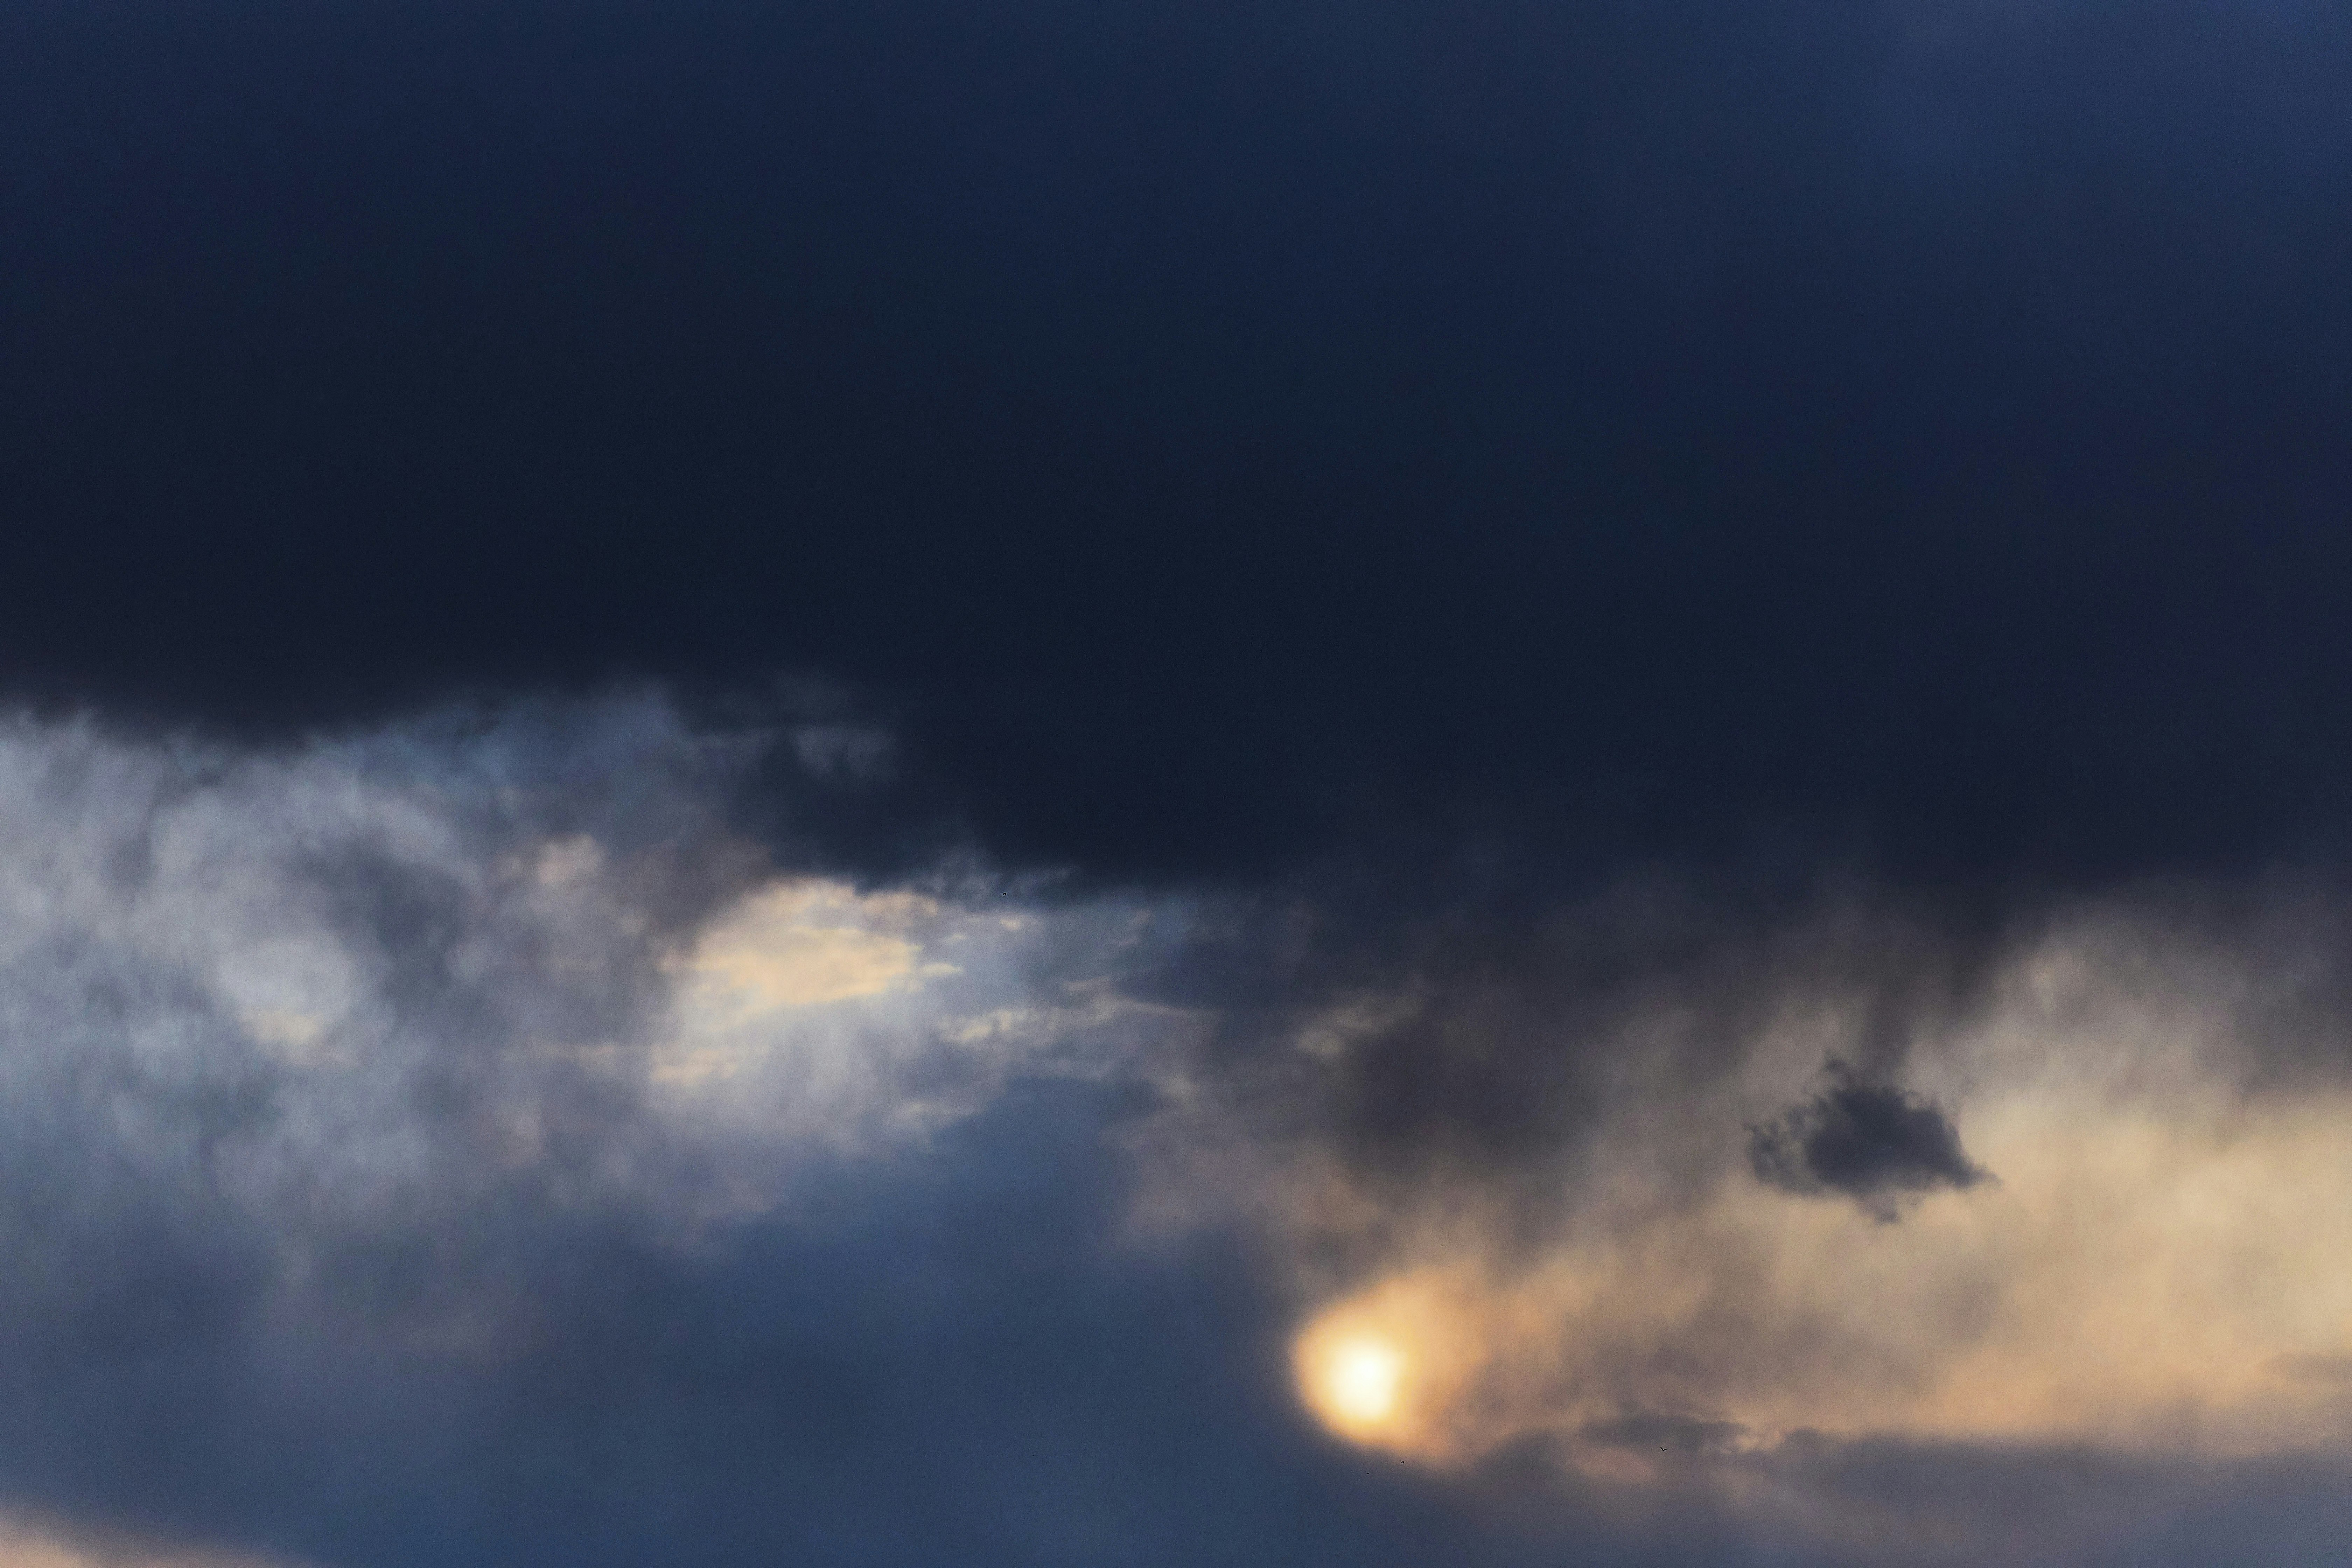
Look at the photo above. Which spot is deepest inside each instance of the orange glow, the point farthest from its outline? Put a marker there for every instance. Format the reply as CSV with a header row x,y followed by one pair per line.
x,y
1386,1369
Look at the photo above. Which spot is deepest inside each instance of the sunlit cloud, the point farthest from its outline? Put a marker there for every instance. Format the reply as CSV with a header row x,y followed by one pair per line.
x,y
2144,1249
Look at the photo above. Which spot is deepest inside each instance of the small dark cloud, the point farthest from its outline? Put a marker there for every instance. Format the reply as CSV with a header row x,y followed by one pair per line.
x,y
1872,1142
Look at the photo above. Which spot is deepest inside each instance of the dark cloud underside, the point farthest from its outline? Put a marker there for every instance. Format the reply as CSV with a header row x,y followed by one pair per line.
x,y
1209,428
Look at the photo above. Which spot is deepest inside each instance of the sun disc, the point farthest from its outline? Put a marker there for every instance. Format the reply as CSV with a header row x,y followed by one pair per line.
x,y
1362,1380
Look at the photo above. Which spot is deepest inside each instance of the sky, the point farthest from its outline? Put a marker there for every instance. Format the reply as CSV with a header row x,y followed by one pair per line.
x,y
1120,783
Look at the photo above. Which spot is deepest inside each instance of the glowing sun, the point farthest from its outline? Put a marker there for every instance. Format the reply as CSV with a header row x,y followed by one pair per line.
x,y
1364,1378
1356,1383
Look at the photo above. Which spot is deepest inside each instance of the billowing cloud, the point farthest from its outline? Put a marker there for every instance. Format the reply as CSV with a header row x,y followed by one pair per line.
x,y
326,1065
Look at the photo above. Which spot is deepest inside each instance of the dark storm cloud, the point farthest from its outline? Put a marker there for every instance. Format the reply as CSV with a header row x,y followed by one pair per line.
x,y
1219,429
1483,1020
1873,1142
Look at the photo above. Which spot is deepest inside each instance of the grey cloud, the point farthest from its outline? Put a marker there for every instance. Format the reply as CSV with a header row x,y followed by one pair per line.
x,y
1873,1142
310,1070
1488,1034
345,1219
348,1216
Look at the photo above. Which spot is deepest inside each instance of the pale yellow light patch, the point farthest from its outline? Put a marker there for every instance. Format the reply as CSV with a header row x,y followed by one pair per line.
x,y
285,1029
797,945
804,943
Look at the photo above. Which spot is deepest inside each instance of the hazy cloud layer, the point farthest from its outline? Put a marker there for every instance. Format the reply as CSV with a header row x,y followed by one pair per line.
x,y
455,1140
350,1082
